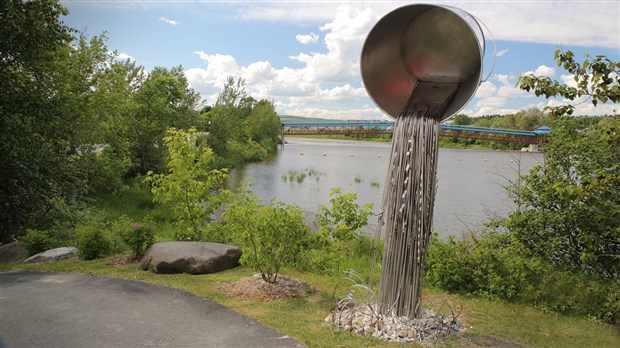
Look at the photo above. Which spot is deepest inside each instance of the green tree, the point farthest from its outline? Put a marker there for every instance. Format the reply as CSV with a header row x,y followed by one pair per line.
x,y
462,120
191,188
344,218
263,125
240,128
269,235
568,208
164,100
597,78
114,107
233,93
47,79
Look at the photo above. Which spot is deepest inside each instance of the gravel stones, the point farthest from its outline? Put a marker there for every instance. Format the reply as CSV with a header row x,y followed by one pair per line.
x,y
364,320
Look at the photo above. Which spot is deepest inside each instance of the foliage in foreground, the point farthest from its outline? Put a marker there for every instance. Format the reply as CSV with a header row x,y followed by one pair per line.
x,y
340,232
560,249
597,79
496,266
568,209
268,234
138,237
190,188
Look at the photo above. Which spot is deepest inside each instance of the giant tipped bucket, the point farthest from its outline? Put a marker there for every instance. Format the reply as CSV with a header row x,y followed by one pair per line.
x,y
423,55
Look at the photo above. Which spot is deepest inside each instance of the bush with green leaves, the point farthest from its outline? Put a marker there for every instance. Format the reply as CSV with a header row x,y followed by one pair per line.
x,y
216,232
268,234
36,241
190,187
495,265
341,223
95,237
567,208
138,237
109,168
93,242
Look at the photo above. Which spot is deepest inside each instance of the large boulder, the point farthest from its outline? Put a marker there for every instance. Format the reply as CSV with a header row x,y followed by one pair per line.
x,y
52,255
12,253
190,257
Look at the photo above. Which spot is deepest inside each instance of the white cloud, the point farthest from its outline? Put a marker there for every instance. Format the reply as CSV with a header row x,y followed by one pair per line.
x,y
486,89
168,21
341,93
542,70
580,23
496,98
307,38
322,87
568,80
295,12
125,56
327,83
501,52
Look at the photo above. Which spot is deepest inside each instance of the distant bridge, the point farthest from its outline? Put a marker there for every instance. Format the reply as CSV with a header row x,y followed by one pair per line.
x,y
524,137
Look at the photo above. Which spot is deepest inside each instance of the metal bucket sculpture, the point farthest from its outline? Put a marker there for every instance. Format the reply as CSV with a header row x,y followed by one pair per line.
x,y
420,64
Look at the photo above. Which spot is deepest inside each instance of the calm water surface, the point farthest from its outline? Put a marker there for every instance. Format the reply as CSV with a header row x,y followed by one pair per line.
x,y
470,182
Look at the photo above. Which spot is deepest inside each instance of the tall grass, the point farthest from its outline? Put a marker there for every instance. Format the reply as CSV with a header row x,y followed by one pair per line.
x,y
136,202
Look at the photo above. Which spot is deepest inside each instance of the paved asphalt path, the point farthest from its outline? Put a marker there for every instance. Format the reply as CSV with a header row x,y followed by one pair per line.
x,y
75,310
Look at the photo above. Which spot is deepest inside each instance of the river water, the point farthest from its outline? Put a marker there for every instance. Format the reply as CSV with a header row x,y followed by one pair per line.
x,y
470,187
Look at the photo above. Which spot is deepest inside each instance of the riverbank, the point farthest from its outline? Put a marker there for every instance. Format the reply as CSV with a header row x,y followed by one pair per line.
x,y
446,143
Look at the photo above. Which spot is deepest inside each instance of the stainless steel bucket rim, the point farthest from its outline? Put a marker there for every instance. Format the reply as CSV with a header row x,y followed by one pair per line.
x,y
385,34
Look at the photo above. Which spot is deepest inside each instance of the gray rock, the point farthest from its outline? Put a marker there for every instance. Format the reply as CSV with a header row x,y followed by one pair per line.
x,y
52,255
12,253
190,257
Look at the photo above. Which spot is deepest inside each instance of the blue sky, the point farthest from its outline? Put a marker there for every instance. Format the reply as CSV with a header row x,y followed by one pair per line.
x,y
304,55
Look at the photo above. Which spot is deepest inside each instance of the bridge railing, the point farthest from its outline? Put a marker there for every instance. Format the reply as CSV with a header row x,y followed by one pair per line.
x,y
386,127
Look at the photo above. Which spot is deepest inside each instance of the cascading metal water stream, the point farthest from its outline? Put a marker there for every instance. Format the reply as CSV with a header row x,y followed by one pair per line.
x,y
420,64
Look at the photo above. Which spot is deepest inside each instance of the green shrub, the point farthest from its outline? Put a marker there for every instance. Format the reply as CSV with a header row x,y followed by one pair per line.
x,y
316,255
269,235
36,241
93,242
448,266
190,187
111,166
341,223
495,265
138,237
94,237
576,293
187,235
216,232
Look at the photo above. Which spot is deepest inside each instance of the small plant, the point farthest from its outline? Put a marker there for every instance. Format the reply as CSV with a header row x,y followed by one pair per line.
x,y
268,234
138,237
357,179
374,183
190,187
93,242
36,241
341,222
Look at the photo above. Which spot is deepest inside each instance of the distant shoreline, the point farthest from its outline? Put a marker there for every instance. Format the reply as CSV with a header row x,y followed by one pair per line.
x,y
378,142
